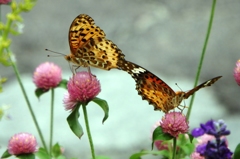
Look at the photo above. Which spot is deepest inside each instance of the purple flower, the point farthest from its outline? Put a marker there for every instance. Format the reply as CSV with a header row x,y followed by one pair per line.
x,y
215,128
197,132
215,146
215,149
201,149
201,145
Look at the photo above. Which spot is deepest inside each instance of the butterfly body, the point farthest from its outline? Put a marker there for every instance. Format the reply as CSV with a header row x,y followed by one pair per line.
x,y
156,91
89,46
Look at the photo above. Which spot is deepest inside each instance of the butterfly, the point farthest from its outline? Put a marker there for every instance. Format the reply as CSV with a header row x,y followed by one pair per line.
x,y
89,47
156,91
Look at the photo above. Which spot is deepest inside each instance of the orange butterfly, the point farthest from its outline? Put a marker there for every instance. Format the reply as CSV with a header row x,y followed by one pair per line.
x,y
89,47
156,91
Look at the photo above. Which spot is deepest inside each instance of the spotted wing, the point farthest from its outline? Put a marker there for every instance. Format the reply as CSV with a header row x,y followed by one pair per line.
x,y
204,84
150,87
81,31
89,47
101,53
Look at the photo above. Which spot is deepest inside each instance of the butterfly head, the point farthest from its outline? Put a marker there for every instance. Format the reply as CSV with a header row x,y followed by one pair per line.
x,y
73,59
68,58
180,93
179,97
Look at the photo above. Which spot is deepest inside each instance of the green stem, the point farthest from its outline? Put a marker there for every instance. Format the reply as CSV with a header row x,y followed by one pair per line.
x,y
202,56
88,130
51,120
27,100
174,147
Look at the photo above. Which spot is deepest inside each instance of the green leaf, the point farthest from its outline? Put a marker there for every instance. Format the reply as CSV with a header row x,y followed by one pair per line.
x,y
28,5
42,154
61,157
2,80
56,150
6,154
236,154
104,105
188,148
142,153
102,157
63,84
4,59
190,137
26,156
73,122
186,144
40,91
14,32
158,134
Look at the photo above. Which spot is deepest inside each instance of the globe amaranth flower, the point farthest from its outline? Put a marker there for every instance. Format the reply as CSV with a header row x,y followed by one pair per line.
x,y
174,123
69,103
82,87
5,2
22,143
236,72
161,145
47,75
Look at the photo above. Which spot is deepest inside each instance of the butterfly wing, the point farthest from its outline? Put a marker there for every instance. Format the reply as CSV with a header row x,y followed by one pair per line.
x,y
89,47
100,53
204,84
81,31
150,87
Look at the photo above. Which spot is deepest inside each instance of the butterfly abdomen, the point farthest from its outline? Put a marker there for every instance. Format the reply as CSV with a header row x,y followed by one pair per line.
x,y
204,84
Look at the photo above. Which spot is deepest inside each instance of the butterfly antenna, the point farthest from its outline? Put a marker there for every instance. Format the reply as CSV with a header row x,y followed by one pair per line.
x,y
178,86
55,53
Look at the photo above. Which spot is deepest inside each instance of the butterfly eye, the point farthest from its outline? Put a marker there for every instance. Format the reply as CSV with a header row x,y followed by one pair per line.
x,y
68,58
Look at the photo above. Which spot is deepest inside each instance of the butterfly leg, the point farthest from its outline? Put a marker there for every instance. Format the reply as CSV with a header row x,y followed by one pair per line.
x,y
74,69
182,107
90,73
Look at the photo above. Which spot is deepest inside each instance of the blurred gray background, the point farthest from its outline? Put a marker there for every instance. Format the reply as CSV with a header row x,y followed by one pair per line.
x,y
165,37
